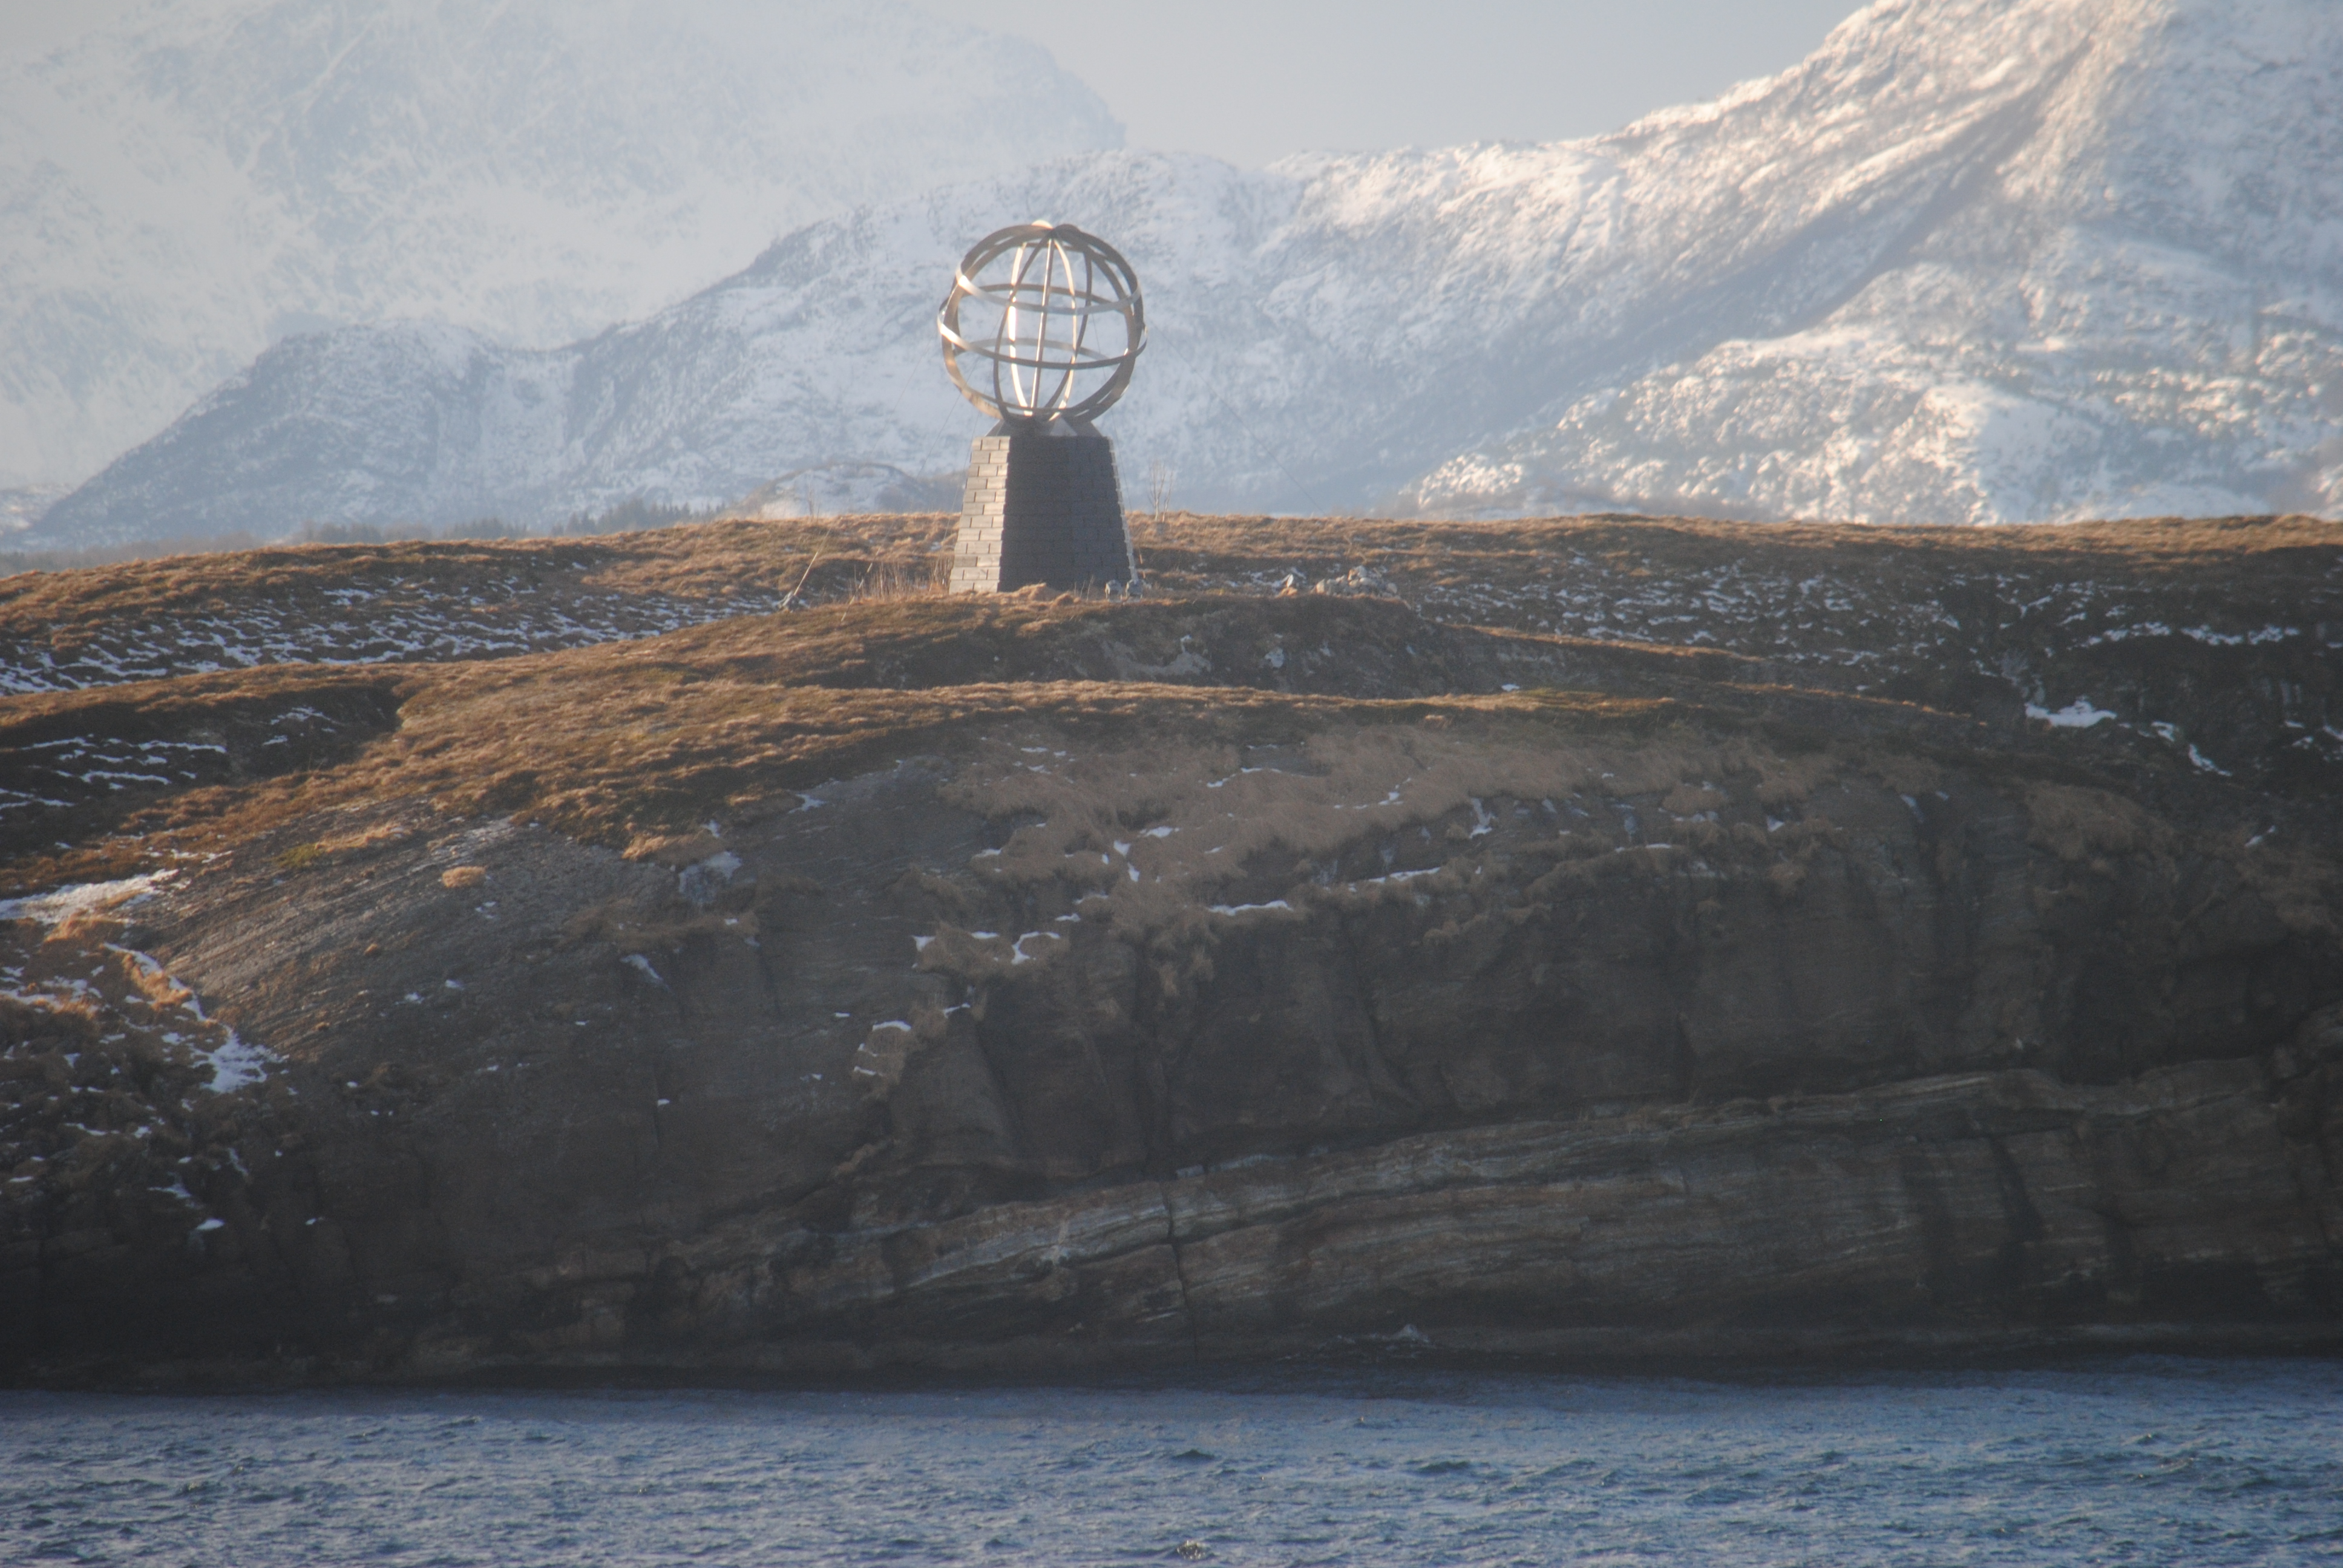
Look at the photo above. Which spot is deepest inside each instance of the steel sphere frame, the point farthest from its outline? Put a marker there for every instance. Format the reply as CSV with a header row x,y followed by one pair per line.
x,y
1058,277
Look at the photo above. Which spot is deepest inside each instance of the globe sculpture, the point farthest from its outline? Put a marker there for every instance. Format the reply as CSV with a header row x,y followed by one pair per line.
x,y
1041,330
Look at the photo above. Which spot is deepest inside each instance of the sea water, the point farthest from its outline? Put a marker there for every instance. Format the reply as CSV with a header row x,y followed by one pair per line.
x,y
2133,1462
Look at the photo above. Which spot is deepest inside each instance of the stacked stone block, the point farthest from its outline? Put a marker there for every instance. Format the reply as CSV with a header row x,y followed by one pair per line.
x,y
1040,509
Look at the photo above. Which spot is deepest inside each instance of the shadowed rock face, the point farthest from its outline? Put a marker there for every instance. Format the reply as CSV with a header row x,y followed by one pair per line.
x,y
920,1074
1116,1022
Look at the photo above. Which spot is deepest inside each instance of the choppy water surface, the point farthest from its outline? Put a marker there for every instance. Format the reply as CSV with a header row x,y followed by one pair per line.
x,y
2135,1463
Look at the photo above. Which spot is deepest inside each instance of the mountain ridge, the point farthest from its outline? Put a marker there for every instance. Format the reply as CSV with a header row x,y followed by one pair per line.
x,y
1876,286
192,184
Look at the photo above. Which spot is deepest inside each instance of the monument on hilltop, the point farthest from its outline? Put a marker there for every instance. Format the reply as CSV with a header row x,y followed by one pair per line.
x,y
1039,330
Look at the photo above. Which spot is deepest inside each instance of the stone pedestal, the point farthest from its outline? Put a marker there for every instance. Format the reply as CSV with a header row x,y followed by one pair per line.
x,y
1040,509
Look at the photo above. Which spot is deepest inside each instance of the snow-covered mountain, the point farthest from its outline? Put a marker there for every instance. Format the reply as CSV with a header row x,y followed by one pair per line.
x,y
183,187
2038,260
1973,260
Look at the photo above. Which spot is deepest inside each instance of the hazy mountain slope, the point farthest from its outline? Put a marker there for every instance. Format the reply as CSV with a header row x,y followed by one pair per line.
x,y
822,352
1970,261
179,189
2126,297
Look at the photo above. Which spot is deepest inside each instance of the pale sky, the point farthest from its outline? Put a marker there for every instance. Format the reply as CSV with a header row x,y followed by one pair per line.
x,y
1252,80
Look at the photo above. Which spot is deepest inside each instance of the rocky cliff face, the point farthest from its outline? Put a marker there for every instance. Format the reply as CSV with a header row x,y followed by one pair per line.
x,y
912,985
912,1084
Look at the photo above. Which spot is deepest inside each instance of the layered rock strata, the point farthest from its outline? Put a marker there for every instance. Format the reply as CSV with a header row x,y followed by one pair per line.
x,y
1111,1022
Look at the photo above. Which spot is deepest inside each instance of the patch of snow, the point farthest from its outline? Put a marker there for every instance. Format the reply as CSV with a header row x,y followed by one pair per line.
x,y
56,908
700,883
1017,953
237,1062
2076,715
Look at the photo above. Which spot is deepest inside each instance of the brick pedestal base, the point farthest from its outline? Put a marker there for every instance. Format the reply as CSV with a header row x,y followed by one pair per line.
x,y
1040,509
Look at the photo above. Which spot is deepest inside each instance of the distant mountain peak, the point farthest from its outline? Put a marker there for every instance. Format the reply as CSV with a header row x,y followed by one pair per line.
x,y
2114,288
192,182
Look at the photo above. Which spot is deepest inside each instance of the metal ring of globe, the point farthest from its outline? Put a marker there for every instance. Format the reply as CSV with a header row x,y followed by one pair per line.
x,y
1060,283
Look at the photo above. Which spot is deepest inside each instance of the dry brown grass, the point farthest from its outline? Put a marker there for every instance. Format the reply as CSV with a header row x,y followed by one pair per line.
x,y
609,758
634,744
1189,541
901,557
2077,824
708,561
890,582
628,744
900,560
2283,567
